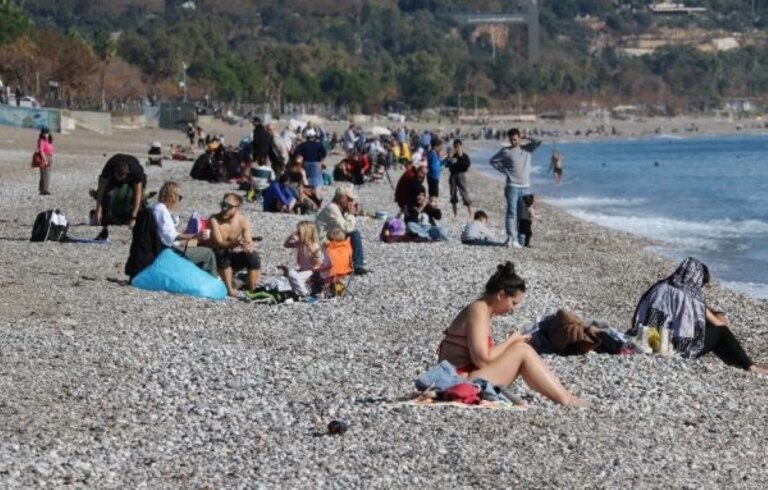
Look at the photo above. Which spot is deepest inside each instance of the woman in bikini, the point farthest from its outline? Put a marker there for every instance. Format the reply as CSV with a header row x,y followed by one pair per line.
x,y
467,343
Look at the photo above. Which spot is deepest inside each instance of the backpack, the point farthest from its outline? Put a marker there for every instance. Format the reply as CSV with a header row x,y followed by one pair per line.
x,y
204,169
50,225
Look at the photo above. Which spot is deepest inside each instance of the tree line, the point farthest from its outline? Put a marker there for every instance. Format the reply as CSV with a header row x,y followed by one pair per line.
x,y
370,55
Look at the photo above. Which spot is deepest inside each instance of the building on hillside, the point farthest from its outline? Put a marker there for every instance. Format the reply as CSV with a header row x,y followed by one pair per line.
x,y
496,27
669,8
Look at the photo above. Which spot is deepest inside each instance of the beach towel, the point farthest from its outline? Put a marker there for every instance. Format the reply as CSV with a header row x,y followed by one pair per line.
x,y
677,303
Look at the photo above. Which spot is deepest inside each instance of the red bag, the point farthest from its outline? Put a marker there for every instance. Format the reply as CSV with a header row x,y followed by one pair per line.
x,y
463,393
38,160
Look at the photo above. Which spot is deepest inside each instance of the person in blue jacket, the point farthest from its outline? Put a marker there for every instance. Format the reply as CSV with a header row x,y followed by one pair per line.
x,y
434,168
278,197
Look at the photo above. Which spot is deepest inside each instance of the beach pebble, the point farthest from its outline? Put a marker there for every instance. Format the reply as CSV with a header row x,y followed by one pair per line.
x,y
104,385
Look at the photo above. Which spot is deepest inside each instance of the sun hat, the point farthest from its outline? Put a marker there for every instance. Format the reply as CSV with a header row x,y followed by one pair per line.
x,y
346,190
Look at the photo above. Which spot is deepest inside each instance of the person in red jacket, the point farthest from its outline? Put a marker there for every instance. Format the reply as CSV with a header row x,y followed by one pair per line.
x,y
409,186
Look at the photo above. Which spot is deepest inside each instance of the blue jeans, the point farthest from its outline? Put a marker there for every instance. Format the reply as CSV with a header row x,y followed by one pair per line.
x,y
514,197
314,173
357,248
426,231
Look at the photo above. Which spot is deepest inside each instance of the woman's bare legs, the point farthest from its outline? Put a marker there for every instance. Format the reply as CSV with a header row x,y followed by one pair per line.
x,y
521,359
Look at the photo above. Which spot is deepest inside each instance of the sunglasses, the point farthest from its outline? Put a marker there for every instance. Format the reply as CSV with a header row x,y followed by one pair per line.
x,y
226,206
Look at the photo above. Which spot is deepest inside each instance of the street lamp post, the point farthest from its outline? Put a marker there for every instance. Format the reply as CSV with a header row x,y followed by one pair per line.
x,y
184,73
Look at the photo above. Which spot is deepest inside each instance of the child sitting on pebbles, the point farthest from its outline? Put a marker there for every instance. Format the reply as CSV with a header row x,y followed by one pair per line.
x,y
312,261
477,233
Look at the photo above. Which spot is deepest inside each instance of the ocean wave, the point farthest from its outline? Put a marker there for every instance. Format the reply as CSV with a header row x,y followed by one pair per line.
x,y
698,235
755,289
591,202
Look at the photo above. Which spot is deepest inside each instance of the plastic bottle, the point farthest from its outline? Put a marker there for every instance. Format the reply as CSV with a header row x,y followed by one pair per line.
x,y
666,347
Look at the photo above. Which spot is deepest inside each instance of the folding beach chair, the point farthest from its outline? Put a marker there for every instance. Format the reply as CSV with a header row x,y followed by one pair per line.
x,y
340,256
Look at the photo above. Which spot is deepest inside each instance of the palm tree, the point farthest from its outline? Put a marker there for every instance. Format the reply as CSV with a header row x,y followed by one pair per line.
x,y
105,48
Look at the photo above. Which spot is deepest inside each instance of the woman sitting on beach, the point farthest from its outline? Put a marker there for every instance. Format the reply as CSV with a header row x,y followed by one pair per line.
x,y
677,303
468,345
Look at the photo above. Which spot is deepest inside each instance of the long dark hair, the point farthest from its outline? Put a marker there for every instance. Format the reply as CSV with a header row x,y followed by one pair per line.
x,y
505,279
43,132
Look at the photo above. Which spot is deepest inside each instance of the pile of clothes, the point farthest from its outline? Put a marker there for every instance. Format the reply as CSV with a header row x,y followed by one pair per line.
x,y
565,334
443,383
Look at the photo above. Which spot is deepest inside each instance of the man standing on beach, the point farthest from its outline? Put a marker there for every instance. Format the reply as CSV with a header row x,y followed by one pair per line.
x,y
260,140
514,161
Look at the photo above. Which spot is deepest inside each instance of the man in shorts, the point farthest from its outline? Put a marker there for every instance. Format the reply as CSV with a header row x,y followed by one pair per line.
x,y
232,243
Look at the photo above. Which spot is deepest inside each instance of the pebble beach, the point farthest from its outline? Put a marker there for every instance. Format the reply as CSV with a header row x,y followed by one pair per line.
x,y
106,386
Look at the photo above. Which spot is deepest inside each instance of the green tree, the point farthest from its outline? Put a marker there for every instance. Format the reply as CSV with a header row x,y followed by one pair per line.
x,y
14,22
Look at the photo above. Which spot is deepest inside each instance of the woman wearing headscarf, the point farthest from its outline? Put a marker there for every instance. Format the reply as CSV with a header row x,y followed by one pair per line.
x,y
677,303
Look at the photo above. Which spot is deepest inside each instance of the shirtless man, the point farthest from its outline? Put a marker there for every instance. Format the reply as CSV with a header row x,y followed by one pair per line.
x,y
556,165
232,242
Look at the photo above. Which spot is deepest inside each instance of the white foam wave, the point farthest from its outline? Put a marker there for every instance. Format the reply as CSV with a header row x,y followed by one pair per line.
x,y
688,234
755,289
669,137
591,202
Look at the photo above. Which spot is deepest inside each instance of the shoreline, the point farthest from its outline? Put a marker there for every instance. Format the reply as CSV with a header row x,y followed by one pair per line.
x,y
658,245
108,386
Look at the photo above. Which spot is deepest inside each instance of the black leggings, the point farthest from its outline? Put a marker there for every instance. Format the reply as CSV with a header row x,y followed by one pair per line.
x,y
722,342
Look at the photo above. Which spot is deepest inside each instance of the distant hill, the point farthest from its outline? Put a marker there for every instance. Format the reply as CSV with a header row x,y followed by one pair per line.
x,y
410,54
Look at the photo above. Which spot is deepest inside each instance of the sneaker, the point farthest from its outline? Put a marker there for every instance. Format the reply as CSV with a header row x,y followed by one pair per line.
x,y
512,244
104,235
361,271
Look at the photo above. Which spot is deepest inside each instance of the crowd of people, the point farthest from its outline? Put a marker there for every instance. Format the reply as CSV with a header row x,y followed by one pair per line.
x,y
289,177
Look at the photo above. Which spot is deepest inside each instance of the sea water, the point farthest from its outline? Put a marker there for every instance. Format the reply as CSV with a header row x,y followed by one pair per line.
x,y
701,196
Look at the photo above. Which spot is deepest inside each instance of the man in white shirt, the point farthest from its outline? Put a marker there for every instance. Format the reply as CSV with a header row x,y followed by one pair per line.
x,y
340,213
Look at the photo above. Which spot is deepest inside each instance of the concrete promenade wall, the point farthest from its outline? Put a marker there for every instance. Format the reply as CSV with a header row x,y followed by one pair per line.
x,y
27,117
99,122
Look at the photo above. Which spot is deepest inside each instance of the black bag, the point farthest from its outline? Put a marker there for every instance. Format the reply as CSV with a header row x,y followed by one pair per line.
x,y
145,245
50,225
203,169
